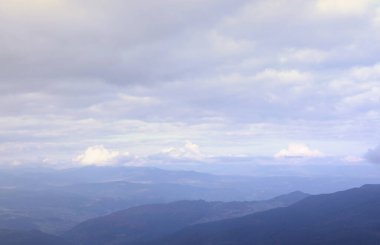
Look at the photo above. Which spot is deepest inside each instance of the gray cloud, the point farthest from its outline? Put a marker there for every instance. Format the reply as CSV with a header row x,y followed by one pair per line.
x,y
102,39
373,155
228,74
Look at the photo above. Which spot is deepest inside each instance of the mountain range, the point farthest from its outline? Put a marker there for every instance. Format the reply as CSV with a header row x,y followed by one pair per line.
x,y
54,200
148,222
345,217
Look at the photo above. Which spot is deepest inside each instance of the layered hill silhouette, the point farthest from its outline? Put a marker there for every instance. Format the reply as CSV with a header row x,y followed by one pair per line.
x,y
55,200
146,223
346,217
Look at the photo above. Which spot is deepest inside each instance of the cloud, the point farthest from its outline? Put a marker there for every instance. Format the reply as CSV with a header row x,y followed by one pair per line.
x,y
98,155
365,73
353,159
188,152
303,56
373,155
298,151
138,74
343,7
287,76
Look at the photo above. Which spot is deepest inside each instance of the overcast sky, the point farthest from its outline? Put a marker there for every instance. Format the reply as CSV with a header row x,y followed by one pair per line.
x,y
101,81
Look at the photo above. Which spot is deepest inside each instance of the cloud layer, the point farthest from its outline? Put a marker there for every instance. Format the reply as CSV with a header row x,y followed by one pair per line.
x,y
237,77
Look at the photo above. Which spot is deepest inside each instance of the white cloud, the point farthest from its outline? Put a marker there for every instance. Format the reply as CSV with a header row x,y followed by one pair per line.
x,y
353,159
376,19
365,99
228,46
303,56
365,73
98,155
343,7
189,151
298,151
283,76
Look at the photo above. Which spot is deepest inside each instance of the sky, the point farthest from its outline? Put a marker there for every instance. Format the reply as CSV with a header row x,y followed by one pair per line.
x,y
150,82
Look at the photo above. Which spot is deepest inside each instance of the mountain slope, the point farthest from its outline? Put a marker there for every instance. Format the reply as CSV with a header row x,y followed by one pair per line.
x,y
347,217
143,223
11,237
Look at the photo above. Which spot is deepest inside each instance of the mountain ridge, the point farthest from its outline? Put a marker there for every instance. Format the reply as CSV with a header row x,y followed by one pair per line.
x,y
147,222
345,217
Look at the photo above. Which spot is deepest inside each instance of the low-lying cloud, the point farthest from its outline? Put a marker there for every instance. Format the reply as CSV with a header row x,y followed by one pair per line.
x,y
298,151
189,152
98,155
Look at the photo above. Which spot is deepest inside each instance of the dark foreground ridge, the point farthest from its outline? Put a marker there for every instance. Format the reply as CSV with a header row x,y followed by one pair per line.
x,y
346,217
